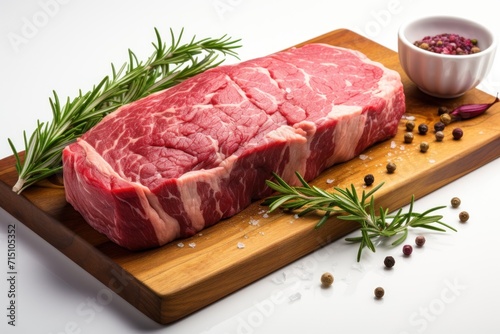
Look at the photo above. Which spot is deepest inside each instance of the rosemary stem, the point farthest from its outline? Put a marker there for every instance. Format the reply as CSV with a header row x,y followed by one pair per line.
x,y
132,81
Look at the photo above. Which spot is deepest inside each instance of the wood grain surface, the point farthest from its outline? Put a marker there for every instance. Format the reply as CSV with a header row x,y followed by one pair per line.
x,y
171,282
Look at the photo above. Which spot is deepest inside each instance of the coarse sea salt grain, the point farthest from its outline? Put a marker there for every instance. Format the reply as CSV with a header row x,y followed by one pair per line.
x,y
265,215
253,222
192,244
240,245
180,245
329,181
363,156
393,144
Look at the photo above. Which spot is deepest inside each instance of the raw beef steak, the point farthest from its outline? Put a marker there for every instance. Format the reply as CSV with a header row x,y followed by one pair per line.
x,y
180,160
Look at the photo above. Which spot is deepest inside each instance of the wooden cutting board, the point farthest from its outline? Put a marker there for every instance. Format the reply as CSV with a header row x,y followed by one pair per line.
x,y
171,282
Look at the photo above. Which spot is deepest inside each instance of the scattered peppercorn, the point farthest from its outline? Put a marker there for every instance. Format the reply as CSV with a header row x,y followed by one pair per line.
x,y
455,202
410,125
422,129
439,136
463,216
457,133
407,250
379,292
439,126
408,137
391,167
424,146
420,240
369,178
443,110
389,261
445,118
326,279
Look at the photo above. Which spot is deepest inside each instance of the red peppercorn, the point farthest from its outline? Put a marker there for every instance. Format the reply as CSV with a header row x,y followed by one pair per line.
x,y
457,133
420,240
407,250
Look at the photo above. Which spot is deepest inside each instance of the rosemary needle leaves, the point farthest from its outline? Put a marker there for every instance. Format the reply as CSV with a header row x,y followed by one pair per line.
x,y
348,205
166,67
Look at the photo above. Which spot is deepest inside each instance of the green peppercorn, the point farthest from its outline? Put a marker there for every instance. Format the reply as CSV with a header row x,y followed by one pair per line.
x,y
455,202
422,129
391,167
410,125
424,46
379,292
424,146
439,126
369,179
408,137
457,133
327,279
463,216
439,136
445,118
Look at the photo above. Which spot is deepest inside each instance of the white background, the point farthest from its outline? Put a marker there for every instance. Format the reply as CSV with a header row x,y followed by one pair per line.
x,y
448,286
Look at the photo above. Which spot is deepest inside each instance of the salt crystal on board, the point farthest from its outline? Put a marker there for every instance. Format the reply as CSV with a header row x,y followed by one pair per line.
x,y
253,222
393,144
192,244
180,245
240,245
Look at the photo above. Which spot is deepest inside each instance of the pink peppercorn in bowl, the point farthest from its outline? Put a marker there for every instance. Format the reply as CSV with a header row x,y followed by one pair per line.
x,y
445,75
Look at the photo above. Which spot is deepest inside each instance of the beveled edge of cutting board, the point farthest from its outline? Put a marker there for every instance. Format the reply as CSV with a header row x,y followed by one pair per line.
x,y
119,269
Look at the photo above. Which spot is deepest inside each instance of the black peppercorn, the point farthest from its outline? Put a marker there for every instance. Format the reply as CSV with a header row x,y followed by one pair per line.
x,y
369,178
410,125
391,167
439,126
389,261
443,110
379,292
422,129
408,137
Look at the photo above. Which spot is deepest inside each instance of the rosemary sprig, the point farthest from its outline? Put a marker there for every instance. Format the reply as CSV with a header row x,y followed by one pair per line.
x,y
166,67
348,205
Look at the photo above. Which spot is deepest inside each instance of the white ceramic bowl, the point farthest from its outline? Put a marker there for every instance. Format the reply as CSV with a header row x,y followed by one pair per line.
x,y
441,75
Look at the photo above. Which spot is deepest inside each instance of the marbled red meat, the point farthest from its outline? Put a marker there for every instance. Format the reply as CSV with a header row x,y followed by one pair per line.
x,y
177,161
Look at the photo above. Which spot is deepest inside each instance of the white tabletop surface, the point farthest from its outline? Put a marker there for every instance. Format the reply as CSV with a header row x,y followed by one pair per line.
x,y
448,286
